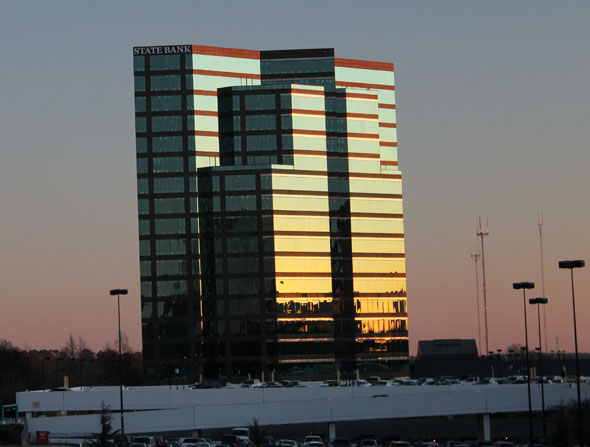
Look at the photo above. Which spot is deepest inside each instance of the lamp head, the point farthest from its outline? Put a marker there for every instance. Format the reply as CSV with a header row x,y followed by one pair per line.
x,y
118,292
576,264
523,285
538,300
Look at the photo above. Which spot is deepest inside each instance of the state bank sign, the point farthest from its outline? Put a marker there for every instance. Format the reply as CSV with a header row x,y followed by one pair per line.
x,y
175,49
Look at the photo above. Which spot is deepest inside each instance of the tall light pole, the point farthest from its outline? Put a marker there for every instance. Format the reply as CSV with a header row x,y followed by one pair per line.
x,y
571,265
119,292
538,302
524,286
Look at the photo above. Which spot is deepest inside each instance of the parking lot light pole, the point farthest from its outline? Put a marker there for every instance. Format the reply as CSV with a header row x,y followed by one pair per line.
x,y
119,292
538,302
571,265
524,286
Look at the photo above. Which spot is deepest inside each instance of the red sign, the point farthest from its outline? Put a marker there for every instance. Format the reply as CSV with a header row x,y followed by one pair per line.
x,y
42,437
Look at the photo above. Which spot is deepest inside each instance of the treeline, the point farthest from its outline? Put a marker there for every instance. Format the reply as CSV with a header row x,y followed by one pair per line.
x,y
75,363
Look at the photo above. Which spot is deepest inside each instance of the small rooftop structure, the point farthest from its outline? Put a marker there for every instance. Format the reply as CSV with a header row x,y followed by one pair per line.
x,y
454,347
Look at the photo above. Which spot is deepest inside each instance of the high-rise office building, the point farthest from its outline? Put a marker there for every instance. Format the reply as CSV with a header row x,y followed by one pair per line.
x,y
270,214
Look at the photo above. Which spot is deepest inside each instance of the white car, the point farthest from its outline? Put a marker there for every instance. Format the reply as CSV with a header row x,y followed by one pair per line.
x,y
252,383
286,443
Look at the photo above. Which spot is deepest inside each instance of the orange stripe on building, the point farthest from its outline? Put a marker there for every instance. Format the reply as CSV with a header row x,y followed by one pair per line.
x,y
205,133
361,96
357,63
228,52
388,163
387,106
204,92
388,143
308,112
365,85
308,92
202,113
308,132
366,116
388,125
206,154
372,136
226,74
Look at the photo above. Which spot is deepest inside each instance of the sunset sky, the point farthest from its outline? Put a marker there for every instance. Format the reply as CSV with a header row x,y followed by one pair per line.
x,y
493,107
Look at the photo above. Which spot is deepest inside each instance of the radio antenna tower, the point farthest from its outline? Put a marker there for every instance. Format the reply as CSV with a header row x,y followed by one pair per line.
x,y
481,234
476,259
540,223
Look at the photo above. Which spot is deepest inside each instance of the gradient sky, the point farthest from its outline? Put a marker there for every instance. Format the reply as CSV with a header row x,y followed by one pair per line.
x,y
493,108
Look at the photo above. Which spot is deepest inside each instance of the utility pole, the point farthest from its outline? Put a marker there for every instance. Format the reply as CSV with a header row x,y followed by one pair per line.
x,y
481,234
475,257
540,223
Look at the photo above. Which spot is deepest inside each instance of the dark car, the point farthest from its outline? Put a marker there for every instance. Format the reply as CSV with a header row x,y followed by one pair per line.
x,y
341,442
231,440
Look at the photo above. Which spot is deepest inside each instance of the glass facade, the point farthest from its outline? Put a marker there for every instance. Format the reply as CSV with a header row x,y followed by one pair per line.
x,y
270,214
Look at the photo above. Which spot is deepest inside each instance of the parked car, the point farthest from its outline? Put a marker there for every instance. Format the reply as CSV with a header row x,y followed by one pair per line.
x,y
150,441
286,443
271,385
341,442
252,383
313,441
189,442
231,440
368,443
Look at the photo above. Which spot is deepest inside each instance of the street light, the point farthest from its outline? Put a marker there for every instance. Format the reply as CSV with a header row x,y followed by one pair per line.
x,y
119,292
571,265
538,302
524,286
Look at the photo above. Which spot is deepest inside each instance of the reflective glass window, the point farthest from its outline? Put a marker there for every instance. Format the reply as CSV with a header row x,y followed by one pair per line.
x,y
142,165
168,82
141,144
242,244
139,84
244,307
143,186
165,62
261,122
172,309
169,185
168,164
146,289
240,203
146,310
242,265
260,102
170,226
240,182
166,103
174,329
167,144
166,123
172,288
140,124
144,248
173,267
242,223
170,247
143,206
140,103
145,268
169,206
138,63
144,227
261,142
